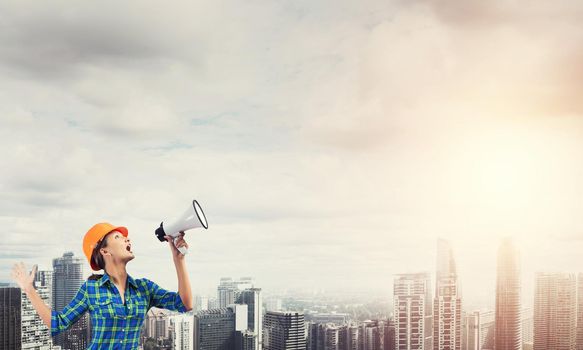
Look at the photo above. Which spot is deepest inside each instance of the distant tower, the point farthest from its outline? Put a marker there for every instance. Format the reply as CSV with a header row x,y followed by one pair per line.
x,y
413,312
471,331
252,298
447,312
284,331
508,334
555,311
228,290
67,278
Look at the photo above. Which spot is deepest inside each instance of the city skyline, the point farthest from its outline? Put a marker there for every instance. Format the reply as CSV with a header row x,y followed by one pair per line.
x,y
552,324
322,139
527,283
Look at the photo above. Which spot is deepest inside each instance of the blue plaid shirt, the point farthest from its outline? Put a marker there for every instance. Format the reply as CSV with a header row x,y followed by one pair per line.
x,y
115,325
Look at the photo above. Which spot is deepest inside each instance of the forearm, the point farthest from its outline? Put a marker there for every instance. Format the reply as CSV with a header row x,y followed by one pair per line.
x,y
39,305
184,289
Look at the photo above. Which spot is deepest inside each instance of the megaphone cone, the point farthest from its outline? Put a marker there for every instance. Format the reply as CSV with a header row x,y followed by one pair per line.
x,y
193,217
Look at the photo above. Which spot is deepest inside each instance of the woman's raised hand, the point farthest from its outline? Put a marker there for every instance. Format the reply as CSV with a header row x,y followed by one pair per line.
x,y
22,277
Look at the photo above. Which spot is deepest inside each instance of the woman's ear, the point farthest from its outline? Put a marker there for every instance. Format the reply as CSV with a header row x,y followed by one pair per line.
x,y
104,252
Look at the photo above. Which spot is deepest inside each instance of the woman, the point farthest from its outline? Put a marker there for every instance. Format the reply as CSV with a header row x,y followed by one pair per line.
x,y
116,302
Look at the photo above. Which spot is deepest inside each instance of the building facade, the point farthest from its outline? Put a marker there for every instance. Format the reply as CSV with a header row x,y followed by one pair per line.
x,y
10,318
67,278
447,311
413,312
508,333
555,311
35,334
252,298
284,331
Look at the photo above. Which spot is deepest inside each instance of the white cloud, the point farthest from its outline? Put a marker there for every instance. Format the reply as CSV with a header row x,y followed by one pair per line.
x,y
325,140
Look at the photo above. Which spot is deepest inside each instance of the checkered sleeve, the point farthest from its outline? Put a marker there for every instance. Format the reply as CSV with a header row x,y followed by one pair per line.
x,y
164,299
61,321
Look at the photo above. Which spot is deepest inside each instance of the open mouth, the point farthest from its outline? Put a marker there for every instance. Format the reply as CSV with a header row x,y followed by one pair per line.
x,y
129,248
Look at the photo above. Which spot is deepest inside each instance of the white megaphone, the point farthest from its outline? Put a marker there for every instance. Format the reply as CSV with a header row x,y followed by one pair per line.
x,y
193,217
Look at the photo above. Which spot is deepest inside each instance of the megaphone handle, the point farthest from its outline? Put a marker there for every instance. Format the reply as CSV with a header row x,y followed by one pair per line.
x,y
182,250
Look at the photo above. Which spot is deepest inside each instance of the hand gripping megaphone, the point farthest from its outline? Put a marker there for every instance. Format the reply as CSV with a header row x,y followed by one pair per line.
x,y
193,217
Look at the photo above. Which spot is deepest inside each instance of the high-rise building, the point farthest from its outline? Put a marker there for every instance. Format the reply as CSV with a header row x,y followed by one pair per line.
x,y
20,325
580,311
182,331
216,329
10,318
471,331
67,278
555,311
447,307
332,338
156,326
487,329
478,331
252,298
284,331
389,335
228,290
245,340
353,337
508,289
527,320
35,334
413,312
202,303
312,335
372,335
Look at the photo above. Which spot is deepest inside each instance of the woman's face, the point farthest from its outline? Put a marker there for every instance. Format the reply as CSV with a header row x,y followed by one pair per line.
x,y
118,246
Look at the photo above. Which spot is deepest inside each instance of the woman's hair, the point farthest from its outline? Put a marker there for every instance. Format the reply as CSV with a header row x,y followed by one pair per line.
x,y
97,258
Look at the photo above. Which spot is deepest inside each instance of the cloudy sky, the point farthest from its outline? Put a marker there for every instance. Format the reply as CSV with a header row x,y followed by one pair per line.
x,y
330,142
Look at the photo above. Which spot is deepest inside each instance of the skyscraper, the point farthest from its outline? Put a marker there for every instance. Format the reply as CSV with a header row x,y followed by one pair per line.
x,y
10,318
555,311
527,319
447,312
413,312
35,334
471,331
580,311
215,329
508,318
372,335
284,331
182,331
228,290
252,298
478,331
202,303
389,335
67,278
20,325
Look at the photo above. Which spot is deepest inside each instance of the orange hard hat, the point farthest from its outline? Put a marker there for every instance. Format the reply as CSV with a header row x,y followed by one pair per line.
x,y
94,235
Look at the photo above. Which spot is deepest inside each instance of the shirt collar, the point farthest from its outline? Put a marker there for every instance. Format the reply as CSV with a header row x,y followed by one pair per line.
x,y
105,278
